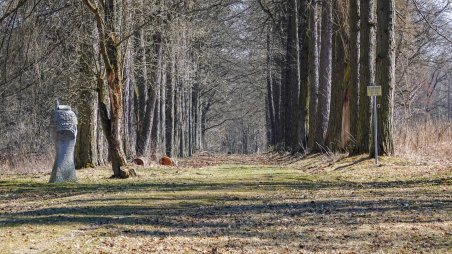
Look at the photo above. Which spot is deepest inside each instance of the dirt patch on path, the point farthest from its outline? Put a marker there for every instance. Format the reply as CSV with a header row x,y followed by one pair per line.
x,y
206,159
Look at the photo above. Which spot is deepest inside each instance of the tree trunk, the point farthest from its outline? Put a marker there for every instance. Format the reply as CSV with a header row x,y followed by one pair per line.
x,y
354,49
111,55
141,84
86,145
325,74
292,88
366,73
338,89
170,104
270,106
313,73
304,73
153,91
385,75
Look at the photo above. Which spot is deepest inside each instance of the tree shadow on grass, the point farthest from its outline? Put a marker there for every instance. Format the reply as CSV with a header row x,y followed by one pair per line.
x,y
205,209
353,163
12,190
193,213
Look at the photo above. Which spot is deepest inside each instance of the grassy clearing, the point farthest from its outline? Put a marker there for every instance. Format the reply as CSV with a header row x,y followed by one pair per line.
x,y
310,205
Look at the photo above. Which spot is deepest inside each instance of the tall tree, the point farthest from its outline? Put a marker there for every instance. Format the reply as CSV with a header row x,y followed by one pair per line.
x,y
385,74
303,23
326,49
109,47
313,58
87,148
293,77
354,68
339,82
366,73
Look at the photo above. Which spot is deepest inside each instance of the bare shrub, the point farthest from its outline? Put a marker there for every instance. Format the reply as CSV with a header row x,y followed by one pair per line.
x,y
27,164
431,139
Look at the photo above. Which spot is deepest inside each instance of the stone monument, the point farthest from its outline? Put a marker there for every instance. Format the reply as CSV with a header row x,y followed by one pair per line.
x,y
64,130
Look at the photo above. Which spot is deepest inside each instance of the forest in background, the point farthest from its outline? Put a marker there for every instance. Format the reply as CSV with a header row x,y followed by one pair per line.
x,y
176,77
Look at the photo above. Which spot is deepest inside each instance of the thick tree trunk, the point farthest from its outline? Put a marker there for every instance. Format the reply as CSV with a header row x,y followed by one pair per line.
x,y
86,147
111,55
354,49
385,74
86,154
366,73
313,73
304,73
325,74
292,88
338,88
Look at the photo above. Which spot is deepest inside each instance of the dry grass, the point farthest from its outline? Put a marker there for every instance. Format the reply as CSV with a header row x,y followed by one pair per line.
x,y
309,206
425,140
29,164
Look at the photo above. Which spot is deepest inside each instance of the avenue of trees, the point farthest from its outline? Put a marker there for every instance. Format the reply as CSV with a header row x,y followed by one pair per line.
x,y
322,55
148,78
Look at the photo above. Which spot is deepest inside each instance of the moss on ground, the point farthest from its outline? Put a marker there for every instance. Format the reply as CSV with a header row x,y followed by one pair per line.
x,y
311,205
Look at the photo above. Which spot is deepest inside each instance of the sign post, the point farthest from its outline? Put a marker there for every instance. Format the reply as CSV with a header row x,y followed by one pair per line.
x,y
375,91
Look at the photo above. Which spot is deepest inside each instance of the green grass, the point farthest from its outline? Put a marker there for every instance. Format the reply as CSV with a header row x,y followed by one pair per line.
x,y
341,207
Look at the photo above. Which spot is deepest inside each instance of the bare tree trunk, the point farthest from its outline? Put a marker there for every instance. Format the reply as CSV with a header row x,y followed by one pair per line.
x,y
86,147
313,73
153,91
270,102
170,104
292,89
338,89
129,129
354,49
111,54
385,74
325,73
141,83
285,88
278,98
163,98
303,20
366,73
154,134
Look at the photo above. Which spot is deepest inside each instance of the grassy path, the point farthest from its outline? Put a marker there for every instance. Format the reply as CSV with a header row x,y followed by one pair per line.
x,y
298,208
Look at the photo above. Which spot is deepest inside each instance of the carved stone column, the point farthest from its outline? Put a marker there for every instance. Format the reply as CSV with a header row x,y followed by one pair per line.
x,y
64,123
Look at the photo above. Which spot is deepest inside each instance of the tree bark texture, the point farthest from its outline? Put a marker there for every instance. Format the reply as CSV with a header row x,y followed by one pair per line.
x,y
354,49
324,74
338,89
111,56
385,75
303,101
292,88
366,73
313,59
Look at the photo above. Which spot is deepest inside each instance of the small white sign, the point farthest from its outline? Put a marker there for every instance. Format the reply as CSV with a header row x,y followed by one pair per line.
x,y
374,91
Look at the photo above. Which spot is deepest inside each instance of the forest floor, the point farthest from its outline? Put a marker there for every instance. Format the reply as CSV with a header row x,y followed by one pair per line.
x,y
235,204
